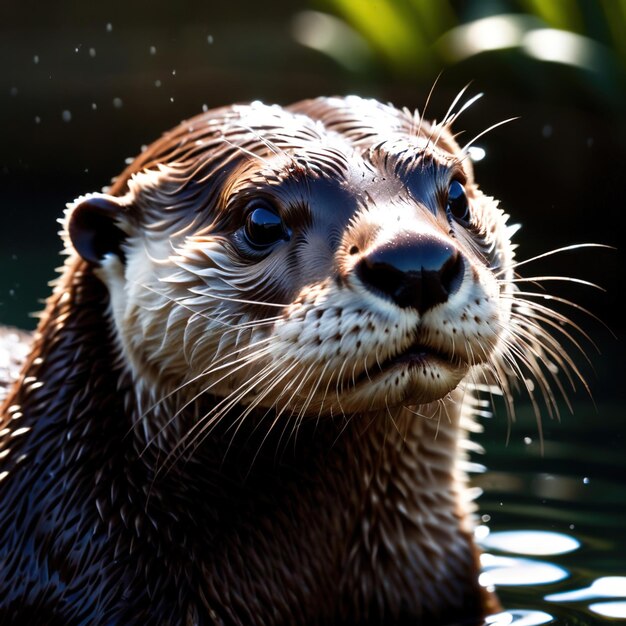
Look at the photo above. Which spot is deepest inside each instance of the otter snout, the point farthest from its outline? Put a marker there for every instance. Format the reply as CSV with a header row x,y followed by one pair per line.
x,y
412,269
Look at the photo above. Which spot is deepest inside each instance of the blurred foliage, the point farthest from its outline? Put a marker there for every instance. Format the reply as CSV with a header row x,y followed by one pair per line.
x,y
419,38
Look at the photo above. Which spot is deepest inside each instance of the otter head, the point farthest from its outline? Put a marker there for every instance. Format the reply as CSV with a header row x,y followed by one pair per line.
x,y
334,256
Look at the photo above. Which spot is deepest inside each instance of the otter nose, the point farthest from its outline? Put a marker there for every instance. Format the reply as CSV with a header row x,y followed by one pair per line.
x,y
413,269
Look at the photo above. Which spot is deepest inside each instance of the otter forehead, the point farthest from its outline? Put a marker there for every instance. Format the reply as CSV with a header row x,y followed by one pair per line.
x,y
328,156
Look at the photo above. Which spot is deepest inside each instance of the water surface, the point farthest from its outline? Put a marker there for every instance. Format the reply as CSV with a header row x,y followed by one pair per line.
x,y
554,521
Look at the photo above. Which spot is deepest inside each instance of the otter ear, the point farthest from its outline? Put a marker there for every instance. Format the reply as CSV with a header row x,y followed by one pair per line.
x,y
95,227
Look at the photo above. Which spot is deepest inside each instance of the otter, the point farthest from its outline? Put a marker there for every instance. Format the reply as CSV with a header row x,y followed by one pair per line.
x,y
249,396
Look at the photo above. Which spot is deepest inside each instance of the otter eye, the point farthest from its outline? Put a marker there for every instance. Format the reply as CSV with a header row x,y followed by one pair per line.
x,y
263,226
457,206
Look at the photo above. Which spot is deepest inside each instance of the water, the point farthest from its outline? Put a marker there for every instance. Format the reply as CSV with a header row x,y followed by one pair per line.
x,y
554,531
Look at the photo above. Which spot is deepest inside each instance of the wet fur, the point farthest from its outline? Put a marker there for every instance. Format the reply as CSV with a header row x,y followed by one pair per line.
x,y
197,438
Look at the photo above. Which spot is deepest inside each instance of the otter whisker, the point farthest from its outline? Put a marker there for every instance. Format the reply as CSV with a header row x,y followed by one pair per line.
x,y
309,399
503,389
281,375
340,379
347,420
241,363
557,322
323,400
215,318
203,427
241,149
411,409
465,148
216,296
512,361
365,368
437,417
553,348
403,435
455,101
540,279
270,145
543,255
304,378
215,365
539,349
498,386
455,116
424,110
520,298
278,375
512,356
470,351
444,408
450,116
528,325
531,358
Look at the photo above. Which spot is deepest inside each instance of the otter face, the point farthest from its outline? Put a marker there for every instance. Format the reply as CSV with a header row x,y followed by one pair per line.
x,y
335,256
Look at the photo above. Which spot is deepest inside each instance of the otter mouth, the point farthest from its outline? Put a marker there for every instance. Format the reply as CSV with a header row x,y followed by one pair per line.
x,y
416,355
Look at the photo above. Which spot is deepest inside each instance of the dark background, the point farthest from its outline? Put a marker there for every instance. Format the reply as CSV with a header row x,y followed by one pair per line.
x,y
84,85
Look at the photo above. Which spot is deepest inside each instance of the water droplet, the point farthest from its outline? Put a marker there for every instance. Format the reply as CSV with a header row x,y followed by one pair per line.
x,y
117,103
92,52
480,532
476,153
585,480
109,27
67,116
152,50
209,39
486,518
37,119
205,108
94,106
172,99
546,131
157,83
173,72
36,59
527,440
